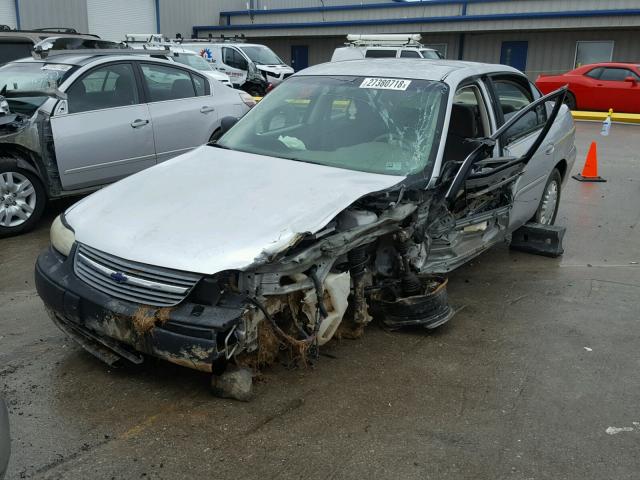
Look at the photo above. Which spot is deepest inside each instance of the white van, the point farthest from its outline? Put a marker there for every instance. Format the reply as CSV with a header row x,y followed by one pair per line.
x,y
384,46
251,67
175,53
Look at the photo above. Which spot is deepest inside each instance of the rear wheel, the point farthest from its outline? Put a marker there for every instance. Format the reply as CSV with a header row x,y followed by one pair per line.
x,y
550,201
22,198
570,101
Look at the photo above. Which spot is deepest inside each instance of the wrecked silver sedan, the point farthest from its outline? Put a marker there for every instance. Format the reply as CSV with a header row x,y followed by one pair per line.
x,y
347,194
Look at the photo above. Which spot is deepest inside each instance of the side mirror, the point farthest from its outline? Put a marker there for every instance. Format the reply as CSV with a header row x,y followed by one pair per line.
x,y
225,125
631,80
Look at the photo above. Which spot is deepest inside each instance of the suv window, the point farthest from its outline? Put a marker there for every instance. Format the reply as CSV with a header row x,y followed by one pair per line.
x,y
104,87
380,54
617,74
409,54
167,83
513,97
234,59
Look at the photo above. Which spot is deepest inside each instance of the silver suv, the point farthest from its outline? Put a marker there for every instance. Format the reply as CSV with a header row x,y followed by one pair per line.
x,y
74,121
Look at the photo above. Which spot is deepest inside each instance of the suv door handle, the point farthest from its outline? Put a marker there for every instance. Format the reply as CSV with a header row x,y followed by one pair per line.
x,y
137,123
550,148
206,109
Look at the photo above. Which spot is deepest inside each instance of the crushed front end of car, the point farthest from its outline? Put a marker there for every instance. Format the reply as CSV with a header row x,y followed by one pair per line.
x,y
287,303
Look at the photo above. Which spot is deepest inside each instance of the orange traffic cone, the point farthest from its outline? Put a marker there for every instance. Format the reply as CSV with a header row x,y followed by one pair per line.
x,y
590,170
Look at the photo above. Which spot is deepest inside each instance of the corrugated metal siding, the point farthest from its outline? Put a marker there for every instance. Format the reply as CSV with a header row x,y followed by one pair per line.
x,y
550,52
365,14
113,19
181,16
321,49
548,6
8,13
61,13
449,26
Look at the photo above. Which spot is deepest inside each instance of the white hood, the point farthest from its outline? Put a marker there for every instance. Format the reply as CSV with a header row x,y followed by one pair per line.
x,y
212,209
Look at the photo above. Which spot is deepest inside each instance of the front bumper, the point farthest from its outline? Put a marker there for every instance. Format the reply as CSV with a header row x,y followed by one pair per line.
x,y
188,334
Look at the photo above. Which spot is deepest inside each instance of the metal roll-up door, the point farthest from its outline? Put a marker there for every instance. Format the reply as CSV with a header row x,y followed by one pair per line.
x,y
8,13
112,19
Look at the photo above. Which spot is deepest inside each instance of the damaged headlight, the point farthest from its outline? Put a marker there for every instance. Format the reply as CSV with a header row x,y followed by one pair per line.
x,y
62,236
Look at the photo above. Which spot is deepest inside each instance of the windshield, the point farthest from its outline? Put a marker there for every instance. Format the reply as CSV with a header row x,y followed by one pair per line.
x,y
388,126
431,54
261,55
24,81
194,61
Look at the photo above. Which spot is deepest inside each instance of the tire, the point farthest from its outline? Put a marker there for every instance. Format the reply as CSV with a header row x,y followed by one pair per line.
x,y
547,210
570,101
22,198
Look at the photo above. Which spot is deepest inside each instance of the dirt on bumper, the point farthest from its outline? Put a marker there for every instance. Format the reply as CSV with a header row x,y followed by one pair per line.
x,y
111,329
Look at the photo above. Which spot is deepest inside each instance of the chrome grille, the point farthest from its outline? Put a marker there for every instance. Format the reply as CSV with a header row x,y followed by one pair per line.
x,y
132,281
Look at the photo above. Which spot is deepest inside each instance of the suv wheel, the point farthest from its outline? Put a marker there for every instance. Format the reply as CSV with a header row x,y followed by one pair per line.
x,y
22,198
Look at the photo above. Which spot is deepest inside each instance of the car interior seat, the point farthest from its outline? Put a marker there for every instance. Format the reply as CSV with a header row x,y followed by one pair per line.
x,y
182,88
124,92
464,124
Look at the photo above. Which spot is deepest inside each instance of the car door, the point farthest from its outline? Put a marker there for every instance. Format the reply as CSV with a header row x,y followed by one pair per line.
x,y
182,108
102,131
617,88
234,65
488,170
512,94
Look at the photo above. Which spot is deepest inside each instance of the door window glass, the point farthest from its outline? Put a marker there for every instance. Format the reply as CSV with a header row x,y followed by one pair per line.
x,y
595,73
105,87
617,74
409,54
593,52
167,83
440,47
380,54
513,97
234,59
199,83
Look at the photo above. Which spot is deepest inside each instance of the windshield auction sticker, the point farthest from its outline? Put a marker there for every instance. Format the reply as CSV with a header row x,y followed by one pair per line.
x,y
385,83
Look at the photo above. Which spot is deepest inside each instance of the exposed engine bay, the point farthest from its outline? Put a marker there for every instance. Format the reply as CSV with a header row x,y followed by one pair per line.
x,y
380,258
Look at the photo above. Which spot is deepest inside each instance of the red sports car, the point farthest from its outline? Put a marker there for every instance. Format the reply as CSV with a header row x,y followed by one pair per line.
x,y
599,86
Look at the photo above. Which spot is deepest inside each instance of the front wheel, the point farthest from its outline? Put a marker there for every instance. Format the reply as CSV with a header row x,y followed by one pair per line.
x,y
22,198
550,201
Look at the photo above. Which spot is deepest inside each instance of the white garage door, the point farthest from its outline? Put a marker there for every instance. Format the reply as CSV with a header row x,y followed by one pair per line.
x,y
112,19
8,13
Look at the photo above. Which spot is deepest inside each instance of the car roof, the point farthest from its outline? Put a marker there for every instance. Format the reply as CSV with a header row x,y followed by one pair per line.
x,y
451,71
83,59
611,64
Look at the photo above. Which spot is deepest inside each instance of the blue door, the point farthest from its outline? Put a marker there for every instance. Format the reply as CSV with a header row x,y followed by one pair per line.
x,y
514,54
299,57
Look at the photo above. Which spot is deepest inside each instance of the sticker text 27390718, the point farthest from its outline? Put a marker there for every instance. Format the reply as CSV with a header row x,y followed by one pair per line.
x,y
385,83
